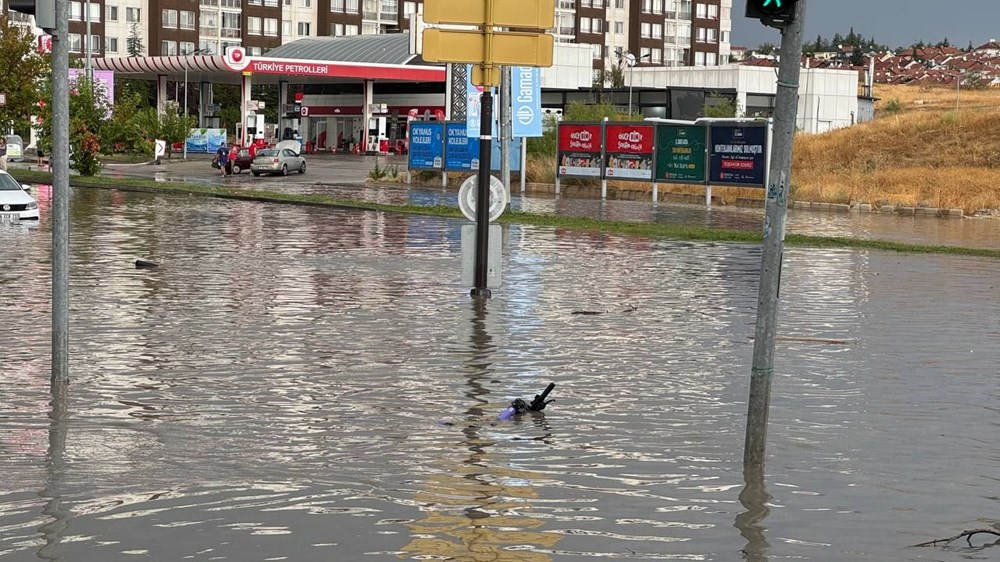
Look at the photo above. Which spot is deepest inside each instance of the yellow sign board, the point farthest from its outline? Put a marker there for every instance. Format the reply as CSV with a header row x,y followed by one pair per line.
x,y
485,76
533,14
511,48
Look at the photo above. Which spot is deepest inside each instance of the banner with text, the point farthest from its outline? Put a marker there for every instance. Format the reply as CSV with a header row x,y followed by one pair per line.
x,y
738,155
426,145
580,153
628,152
461,152
680,153
526,101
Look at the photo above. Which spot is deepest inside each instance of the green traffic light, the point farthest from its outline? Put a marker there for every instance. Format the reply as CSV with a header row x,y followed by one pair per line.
x,y
777,3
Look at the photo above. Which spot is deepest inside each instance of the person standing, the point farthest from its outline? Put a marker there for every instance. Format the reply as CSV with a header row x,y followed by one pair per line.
x,y
222,157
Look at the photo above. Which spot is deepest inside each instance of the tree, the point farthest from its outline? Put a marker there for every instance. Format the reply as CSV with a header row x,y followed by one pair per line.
x,y
174,127
613,77
17,51
89,110
133,45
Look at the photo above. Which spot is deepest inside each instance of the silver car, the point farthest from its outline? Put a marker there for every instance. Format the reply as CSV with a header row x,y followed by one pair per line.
x,y
277,161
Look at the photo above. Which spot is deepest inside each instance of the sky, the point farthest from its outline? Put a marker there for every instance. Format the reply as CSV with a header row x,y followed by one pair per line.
x,y
895,23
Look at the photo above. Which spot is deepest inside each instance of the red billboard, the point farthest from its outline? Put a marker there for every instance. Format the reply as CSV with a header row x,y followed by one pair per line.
x,y
629,152
580,150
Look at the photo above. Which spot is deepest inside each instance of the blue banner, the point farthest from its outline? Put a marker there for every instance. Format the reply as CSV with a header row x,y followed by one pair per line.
x,y
514,156
738,155
205,140
461,152
426,145
526,101
473,109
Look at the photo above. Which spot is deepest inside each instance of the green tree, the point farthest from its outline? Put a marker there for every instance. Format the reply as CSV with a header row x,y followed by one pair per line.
x,y
126,131
133,45
611,77
22,88
720,106
89,110
174,127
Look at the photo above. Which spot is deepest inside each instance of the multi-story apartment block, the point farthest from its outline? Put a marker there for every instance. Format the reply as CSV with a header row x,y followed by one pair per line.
x,y
655,32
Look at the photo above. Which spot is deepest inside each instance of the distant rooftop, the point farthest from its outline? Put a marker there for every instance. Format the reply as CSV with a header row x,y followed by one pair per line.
x,y
390,48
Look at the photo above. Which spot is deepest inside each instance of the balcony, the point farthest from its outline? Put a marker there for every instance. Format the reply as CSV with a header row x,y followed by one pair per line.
x,y
228,33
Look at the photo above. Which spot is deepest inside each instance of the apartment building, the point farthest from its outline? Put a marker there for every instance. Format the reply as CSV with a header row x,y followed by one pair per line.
x,y
665,33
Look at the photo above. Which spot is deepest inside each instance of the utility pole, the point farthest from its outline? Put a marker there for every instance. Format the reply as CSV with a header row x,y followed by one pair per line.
x,y
789,16
505,125
60,193
90,53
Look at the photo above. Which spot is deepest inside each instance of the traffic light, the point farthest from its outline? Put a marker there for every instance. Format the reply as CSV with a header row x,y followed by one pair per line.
x,y
43,10
775,13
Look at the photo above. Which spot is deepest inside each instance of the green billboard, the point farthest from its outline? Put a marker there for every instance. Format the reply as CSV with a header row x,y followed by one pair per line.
x,y
680,153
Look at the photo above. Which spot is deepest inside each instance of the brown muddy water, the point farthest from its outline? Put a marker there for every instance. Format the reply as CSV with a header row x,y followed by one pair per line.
x,y
299,383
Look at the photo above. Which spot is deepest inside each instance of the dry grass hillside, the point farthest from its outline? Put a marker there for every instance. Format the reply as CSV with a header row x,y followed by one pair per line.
x,y
920,150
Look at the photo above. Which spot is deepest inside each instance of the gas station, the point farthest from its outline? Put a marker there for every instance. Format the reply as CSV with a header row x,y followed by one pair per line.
x,y
357,93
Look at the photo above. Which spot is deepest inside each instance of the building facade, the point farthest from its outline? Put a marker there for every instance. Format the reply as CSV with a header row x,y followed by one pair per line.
x,y
664,33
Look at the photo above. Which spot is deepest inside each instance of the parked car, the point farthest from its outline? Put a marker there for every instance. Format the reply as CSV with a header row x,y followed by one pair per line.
x,y
15,203
277,161
242,162
15,148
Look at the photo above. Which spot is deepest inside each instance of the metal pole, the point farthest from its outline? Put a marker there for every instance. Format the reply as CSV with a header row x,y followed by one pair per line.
x,y
60,193
186,103
505,92
631,66
483,194
786,103
524,162
90,64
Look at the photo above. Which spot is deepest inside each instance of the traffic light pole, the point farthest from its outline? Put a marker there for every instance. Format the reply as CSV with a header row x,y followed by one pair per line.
x,y
776,210
60,193
479,289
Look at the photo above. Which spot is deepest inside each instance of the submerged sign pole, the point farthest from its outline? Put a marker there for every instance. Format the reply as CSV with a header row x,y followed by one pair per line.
x,y
762,372
60,194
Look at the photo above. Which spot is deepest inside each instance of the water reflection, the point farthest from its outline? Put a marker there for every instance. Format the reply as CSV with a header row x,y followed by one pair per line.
x,y
755,499
53,531
480,509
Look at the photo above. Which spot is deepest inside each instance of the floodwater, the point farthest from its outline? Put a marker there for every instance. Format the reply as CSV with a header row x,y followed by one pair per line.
x,y
298,383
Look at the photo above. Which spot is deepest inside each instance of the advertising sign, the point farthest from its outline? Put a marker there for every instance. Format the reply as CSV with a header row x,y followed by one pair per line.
x,y
680,153
473,107
514,157
205,140
426,145
580,150
738,155
526,96
461,152
629,152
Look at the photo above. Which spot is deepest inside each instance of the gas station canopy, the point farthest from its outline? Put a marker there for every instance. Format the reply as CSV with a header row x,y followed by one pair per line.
x,y
306,61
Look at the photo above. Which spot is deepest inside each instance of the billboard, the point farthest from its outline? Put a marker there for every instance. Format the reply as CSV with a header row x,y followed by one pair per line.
x,y
680,153
426,150
580,152
628,152
738,155
461,152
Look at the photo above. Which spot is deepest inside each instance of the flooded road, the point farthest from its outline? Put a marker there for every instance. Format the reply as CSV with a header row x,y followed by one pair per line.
x,y
298,383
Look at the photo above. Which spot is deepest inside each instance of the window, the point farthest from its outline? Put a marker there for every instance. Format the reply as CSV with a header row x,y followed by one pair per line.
x,y
255,2
133,15
336,29
597,25
657,6
711,59
644,29
619,27
598,3
254,51
210,20
352,8
647,6
288,2
701,11
168,48
656,57
170,19
620,4
409,8
644,54
187,19
713,12
336,5
585,3
304,29
305,3
254,26
657,31
598,51
231,25
110,44
701,35
350,29
75,11
584,25
713,36
187,47
95,44
112,13
286,28
271,27
75,42
699,59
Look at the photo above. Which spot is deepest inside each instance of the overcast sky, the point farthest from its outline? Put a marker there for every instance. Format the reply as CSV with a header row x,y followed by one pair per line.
x,y
896,23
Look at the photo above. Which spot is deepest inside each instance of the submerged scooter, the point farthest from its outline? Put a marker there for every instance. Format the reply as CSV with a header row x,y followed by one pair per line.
x,y
519,406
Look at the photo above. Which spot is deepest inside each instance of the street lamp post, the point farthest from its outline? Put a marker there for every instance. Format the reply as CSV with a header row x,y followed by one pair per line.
x,y
631,60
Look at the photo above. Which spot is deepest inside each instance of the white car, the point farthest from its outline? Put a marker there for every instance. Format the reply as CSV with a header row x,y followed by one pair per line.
x,y
16,204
